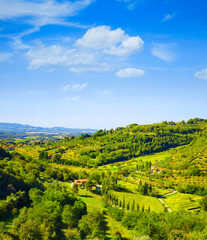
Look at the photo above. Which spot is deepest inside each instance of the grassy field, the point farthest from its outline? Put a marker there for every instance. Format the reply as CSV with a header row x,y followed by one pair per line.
x,y
93,203
134,161
29,151
154,204
181,201
72,168
115,226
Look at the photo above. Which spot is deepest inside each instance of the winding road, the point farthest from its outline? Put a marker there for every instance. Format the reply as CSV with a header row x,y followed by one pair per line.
x,y
160,198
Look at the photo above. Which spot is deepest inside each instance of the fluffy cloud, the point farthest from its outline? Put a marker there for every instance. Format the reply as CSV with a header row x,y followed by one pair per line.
x,y
113,42
101,37
164,52
201,74
56,55
44,12
75,87
130,72
87,54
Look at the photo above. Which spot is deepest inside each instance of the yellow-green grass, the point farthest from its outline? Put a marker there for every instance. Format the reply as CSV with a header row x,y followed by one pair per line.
x,y
73,168
31,151
92,201
131,186
134,161
162,191
181,201
31,137
146,201
115,226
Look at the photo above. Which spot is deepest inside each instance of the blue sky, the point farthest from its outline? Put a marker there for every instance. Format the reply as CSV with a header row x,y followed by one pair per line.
x,y
102,63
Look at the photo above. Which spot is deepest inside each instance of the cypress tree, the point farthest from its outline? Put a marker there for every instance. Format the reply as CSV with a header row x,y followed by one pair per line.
x,y
137,207
128,206
133,205
123,204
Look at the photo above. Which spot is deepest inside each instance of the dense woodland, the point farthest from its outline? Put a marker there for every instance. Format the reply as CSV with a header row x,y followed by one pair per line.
x,y
38,202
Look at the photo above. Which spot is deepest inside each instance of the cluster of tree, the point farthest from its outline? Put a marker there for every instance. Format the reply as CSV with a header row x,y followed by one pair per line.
x,y
192,189
146,189
176,225
4,154
144,166
122,144
12,203
112,200
51,212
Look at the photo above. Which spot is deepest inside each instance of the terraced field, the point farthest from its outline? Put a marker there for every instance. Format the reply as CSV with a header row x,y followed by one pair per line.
x,y
143,201
180,201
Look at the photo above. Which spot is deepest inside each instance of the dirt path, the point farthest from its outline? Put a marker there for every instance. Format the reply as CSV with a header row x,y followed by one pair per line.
x,y
160,198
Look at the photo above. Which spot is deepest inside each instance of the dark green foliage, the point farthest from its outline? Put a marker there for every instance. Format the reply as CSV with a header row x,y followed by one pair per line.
x,y
191,189
123,204
115,213
92,225
4,154
164,226
13,201
146,189
43,155
52,211
203,203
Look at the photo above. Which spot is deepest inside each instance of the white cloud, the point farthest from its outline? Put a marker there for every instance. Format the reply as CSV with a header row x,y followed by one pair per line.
x,y
75,87
5,56
130,3
130,72
168,17
113,42
105,93
101,37
127,47
45,12
56,55
164,52
99,68
201,74
72,99
89,54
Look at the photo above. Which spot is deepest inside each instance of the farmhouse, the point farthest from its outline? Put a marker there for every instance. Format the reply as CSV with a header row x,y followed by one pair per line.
x,y
80,182
155,168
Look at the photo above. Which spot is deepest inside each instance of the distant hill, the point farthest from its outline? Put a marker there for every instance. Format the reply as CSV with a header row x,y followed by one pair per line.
x,y
22,129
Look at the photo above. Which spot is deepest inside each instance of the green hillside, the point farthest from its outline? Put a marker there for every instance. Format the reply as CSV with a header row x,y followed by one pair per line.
x,y
140,180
